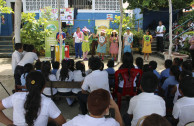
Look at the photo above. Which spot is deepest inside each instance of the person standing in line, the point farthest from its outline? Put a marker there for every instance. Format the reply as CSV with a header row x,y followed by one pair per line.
x,y
63,37
77,39
16,56
160,30
114,48
146,44
102,44
86,43
94,44
128,40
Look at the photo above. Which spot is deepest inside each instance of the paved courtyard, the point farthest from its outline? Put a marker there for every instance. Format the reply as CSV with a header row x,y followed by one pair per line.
x,y
6,77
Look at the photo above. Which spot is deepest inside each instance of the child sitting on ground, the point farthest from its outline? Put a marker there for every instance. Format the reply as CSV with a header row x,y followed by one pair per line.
x,y
166,73
177,62
184,107
110,68
27,69
145,103
38,66
55,66
99,103
153,65
139,63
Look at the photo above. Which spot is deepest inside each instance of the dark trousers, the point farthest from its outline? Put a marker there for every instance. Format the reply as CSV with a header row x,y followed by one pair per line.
x,y
160,44
78,50
192,56
127,119
82,99
94,47
19,70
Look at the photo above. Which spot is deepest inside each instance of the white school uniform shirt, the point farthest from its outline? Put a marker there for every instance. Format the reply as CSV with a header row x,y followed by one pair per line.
x,y
77,38
47,91
86,120
16,101
145,104
96,80
77,77
126,37
64,90
177,94
23,53
16,58
29,57
184,110
161,28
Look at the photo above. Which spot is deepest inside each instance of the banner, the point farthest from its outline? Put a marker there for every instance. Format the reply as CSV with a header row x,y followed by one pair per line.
x,y
51,39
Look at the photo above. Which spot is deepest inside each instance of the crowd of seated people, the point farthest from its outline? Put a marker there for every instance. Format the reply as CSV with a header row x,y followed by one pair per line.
x,y
162,100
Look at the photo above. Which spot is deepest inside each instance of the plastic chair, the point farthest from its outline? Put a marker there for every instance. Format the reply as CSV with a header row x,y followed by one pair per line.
x,y
128,89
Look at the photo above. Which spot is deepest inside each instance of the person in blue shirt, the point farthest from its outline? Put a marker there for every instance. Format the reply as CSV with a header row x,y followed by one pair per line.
x,y
38,66
63,37
153,65
177,62
166,73
172,79
55,66
139,63
27,69
110,68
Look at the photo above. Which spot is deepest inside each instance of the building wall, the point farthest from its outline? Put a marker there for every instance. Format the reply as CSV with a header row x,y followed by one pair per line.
x,y
7,28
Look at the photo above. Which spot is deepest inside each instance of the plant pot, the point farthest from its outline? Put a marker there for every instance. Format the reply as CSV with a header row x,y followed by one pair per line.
x,y
166,55
181,56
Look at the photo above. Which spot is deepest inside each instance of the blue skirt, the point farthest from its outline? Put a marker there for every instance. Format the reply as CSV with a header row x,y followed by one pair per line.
x,y
101,49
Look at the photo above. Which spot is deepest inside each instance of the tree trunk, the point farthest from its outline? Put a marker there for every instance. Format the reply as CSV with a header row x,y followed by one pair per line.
x,y
18,10
120,30
170,29
60,36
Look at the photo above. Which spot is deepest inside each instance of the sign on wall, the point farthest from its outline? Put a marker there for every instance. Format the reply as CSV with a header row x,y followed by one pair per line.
x,y
109,16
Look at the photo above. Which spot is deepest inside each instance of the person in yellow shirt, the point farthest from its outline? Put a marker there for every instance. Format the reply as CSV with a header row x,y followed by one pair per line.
x,y
146,45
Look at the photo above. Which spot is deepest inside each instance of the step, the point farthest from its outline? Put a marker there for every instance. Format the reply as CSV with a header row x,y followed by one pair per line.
x,y
6,45
5,54
6,38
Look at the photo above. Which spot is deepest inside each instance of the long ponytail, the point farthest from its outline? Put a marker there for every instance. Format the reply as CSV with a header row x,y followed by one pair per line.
x,y
175,71
64,73
35,83
80,66
46,69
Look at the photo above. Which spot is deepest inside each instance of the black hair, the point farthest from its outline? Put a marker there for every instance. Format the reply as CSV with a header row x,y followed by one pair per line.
x,y
139,62
78,27
187,86
153,64
38,65
28,68
187,65
80,66
64,73
127,61
30,48
95,63
148,31
184,74
18,46
168,63
102,66
110,64
147,68
35,83
46,69
175,71
177,61
55,65
71,63
115,34
149,82
25,47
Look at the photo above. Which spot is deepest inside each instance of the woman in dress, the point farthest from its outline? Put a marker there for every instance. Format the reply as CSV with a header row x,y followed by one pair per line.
x,y
102,44
114,45
85,44
146,43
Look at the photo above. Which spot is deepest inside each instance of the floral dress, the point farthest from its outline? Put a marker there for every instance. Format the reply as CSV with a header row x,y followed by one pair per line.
x,y
114,45
101,49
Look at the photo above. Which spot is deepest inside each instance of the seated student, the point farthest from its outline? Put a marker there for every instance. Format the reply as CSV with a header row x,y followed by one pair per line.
x,y
65,74
139,63
155,120
102,66
29,57
166,73
145,103
177,62
187,66
147,68
89,62
46,71
38,66
99,103
16,56
55,66
78,75
95,80
110,68
153,65
27,69
24,49
31,108
183,109
71,64
172,79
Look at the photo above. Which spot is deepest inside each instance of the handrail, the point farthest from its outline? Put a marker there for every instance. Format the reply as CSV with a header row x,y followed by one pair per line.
x,y
182,33
13,41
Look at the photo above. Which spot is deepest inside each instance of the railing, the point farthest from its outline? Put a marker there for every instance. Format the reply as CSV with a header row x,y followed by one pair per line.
x,y
182,33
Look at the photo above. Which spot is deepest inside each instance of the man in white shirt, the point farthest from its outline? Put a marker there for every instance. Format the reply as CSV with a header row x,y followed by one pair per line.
x,y
77,41
16,56
183,110
145,103
95,80
160,31
99,102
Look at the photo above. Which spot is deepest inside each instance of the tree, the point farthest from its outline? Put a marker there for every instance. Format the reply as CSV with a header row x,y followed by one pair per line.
x,y
18,10
157,4
120,30
4,8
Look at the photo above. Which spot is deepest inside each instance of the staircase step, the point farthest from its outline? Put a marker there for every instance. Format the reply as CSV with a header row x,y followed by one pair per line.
x,y
5,38
5,54
6,45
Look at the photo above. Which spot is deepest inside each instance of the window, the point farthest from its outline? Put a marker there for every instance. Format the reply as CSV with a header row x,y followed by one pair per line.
x,y
80,4
35,5
107,5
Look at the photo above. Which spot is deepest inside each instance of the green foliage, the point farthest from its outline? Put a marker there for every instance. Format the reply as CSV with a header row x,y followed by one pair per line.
x,y
156,4
47,13
33,31
4,8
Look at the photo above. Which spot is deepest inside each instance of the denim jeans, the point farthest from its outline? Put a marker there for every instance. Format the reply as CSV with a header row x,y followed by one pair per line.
x,y
78,50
